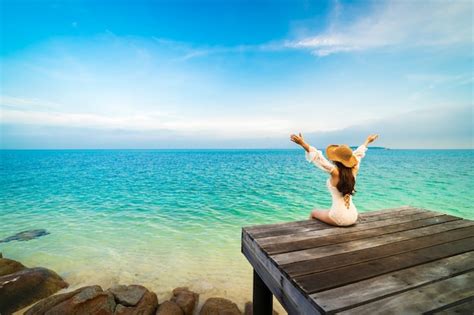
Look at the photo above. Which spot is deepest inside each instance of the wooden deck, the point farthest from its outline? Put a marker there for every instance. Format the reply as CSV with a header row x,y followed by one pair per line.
x,y
393,261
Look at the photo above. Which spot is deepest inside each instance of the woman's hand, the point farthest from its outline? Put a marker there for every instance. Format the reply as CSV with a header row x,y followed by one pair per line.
x,y
298,139
371,139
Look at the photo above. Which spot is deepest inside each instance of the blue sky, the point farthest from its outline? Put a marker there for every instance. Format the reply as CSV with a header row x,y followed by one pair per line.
x,y
235,74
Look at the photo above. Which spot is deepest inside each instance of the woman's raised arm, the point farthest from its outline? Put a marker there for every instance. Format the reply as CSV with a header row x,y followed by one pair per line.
x,y
359,153
298,139
370,139
313,155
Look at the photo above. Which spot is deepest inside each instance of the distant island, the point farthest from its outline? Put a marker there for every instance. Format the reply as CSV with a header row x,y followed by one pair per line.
x,y
371,147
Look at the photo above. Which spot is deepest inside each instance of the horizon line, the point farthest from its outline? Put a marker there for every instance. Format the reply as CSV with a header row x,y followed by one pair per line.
x,y
209,149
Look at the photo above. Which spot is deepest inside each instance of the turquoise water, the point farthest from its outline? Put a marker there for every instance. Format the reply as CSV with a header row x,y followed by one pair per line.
x,y
172,218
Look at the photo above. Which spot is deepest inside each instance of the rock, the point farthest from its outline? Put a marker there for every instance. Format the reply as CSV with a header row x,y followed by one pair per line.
x,y
128,295
44,305
120,309
146,306
219,306
24,287
90,300
185,299
1,255
8,266
25,235
93,300
249,309
169,308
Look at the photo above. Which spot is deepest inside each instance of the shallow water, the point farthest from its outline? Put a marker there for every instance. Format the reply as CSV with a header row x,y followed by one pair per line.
x,y
167,218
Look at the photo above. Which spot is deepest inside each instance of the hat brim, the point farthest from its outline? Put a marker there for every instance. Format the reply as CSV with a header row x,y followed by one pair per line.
x,y
333,156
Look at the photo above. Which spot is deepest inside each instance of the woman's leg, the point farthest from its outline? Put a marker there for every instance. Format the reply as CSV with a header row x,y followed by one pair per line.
x,y
322,215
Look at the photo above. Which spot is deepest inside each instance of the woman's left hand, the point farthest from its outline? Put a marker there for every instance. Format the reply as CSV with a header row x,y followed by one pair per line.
x,y
372,138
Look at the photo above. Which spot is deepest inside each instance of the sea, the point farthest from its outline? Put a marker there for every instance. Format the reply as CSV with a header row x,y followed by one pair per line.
x,y
169,218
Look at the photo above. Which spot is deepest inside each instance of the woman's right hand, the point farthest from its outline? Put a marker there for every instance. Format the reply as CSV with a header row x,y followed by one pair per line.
x,y
298,139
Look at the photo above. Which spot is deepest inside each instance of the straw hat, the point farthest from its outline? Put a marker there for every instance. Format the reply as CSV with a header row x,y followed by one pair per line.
x,y
341,153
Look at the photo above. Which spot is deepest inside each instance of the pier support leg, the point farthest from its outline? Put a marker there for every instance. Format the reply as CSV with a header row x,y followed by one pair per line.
x,y
262,297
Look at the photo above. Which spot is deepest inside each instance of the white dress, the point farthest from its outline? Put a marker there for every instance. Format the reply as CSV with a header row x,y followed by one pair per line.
x,y
339,213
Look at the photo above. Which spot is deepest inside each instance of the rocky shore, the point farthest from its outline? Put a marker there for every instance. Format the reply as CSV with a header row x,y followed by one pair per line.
x,y
35,291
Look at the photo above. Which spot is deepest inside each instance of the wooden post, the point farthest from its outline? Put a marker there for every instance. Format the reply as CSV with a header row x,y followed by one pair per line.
x,y
262,297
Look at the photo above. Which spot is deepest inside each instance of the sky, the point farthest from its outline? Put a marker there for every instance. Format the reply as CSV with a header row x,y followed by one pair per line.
x,y
235,74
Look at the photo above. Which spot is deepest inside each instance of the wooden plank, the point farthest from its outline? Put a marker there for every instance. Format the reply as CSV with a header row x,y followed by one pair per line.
x,y
292,299
312,253
309,225
358,256
387,216
422,299
267,227
312,225
317,282
465,306
313,242
307,232
369,290
371,216
264,227
386,210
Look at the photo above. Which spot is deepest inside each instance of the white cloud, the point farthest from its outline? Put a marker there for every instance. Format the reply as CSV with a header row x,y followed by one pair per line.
x,y
448,126
26,103
436,79
223,127
395,24
187,51
438,127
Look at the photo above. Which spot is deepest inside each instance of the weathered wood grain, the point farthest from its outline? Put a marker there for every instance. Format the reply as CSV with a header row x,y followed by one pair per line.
x,y
399,261
307,232
366,291
318,241
337,277
266,227
371,216
358,256
330,250
385,211
422,299
312,225
463,307
254,230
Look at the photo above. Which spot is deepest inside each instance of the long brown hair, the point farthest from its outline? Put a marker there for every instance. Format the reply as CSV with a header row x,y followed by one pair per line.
x,y
346,184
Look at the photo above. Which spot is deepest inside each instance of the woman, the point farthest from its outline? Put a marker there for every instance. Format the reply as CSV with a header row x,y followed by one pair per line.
x,y
341,181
